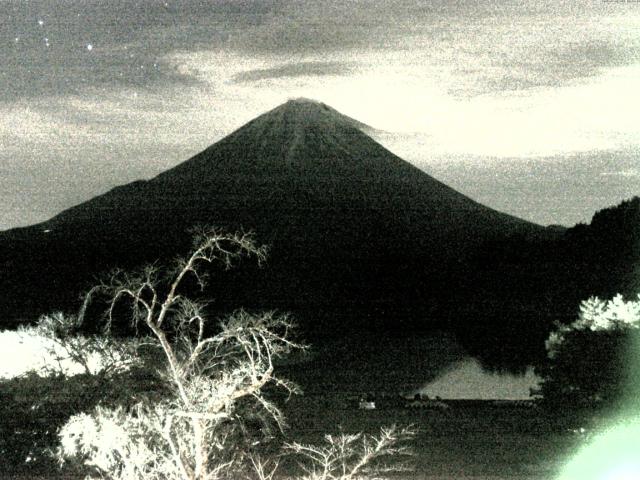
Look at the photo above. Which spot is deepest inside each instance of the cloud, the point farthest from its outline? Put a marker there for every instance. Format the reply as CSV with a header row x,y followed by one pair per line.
x,y
562,189
481,48
563,63
595,114
129,41
622,173
292,70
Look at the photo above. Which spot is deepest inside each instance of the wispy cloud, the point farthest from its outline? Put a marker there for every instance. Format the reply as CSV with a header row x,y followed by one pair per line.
x,y
622,173
492,47
292,70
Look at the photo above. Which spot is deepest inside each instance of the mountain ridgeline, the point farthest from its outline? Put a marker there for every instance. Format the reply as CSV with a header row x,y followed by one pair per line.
x,y
359,239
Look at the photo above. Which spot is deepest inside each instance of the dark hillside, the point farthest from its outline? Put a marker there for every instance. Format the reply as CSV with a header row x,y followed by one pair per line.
x,y
518,286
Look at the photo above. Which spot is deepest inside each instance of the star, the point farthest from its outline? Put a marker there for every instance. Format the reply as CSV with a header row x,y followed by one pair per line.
x,y
89,47
41,22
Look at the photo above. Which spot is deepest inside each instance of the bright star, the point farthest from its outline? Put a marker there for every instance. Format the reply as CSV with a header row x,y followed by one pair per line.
x,y
89,47
41,22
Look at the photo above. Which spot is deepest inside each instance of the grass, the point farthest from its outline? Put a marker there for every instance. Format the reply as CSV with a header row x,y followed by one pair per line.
x,y
474,441
469,441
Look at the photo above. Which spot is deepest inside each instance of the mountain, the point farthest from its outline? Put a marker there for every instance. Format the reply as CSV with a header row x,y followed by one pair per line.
x,y
358,237
300,160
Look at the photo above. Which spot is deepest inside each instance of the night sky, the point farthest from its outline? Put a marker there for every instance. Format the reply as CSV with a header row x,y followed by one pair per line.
x,y
532,110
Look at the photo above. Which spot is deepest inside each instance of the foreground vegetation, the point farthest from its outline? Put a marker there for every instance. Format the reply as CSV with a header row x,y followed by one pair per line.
x,y
179,397
594,359
161,391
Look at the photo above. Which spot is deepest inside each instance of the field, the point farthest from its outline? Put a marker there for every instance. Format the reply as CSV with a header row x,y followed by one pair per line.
x,y
470,440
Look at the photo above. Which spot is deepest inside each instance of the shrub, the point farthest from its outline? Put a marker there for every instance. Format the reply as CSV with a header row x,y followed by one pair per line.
x,y
354,456
589,360
52,373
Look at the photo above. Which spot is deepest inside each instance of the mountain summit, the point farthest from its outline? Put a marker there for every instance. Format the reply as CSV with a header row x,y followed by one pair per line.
x,y
280,139
356,233
301,135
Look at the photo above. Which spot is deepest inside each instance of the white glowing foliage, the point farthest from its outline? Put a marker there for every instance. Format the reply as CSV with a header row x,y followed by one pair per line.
x,y
32,350
592,313
123,442
598,315
26,351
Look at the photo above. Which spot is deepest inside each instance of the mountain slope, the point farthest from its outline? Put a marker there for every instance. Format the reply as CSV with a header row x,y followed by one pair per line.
x,y
358,236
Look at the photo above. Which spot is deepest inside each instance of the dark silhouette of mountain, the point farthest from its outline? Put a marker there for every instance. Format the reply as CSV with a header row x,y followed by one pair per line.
x,y
359,238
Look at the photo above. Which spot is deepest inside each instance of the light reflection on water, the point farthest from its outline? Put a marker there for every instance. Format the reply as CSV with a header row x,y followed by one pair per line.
x,y
467,379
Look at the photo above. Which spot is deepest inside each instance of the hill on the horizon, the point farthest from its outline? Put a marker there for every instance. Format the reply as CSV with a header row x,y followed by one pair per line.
x,y
358,237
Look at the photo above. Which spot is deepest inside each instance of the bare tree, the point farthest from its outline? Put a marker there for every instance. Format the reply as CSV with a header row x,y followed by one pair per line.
x,y
208,373
211,372
354,456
